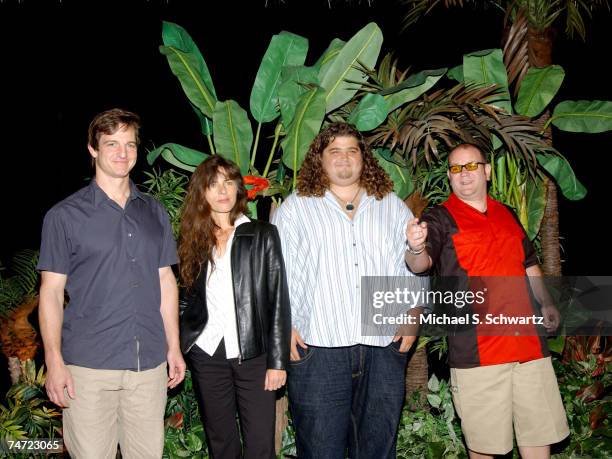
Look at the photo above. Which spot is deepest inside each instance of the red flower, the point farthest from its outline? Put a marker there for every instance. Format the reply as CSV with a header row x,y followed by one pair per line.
x,y
175,421
256,184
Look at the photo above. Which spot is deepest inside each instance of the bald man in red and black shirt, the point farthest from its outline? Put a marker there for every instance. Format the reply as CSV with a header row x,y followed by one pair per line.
x,y
497,381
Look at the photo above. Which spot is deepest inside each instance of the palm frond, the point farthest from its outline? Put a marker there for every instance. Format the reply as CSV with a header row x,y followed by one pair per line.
x,y
24,264
576,10
420,8
516,50
426,129
435,121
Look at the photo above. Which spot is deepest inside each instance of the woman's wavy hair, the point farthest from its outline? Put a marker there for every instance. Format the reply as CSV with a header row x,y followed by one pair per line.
x,y
197,234
312,179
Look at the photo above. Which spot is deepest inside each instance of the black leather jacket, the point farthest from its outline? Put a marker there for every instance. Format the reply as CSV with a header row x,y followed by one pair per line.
x,y
260,293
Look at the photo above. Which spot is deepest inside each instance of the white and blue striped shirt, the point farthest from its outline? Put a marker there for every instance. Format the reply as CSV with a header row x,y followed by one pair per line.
x,y
326,254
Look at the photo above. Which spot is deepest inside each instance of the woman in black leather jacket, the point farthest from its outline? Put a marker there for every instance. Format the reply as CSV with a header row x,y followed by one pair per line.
x,y
235,318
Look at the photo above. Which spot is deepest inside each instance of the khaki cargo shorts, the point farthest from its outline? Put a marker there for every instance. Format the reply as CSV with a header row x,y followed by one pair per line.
x,y
491,399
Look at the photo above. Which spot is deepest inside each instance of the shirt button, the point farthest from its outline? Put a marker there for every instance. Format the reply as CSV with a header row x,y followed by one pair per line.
x,y
129,234
133,260
356,264
354,244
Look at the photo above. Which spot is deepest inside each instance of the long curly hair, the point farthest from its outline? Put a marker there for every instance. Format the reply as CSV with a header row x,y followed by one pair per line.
x,y
198,229
312,179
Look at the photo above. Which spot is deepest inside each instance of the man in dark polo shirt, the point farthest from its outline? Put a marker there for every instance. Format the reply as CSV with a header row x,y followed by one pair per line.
x,y
114,350
497,381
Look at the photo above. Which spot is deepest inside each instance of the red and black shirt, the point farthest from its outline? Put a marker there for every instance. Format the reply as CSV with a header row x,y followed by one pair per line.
x,y
464,242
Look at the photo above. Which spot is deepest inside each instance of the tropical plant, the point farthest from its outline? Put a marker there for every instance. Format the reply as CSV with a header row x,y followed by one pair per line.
x,y
527,43
585,381
289,101
28,413
184,432
169,187
432,433
17,301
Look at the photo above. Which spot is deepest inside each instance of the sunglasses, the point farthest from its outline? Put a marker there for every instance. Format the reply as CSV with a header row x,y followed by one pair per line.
x,y
471,166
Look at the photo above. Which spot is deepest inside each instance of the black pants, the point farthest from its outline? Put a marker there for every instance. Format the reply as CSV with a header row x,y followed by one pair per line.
x,y
222,387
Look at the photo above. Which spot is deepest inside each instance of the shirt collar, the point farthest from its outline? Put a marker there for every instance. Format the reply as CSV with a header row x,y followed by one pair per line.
x,y
363,202
98,195
240,220
454,200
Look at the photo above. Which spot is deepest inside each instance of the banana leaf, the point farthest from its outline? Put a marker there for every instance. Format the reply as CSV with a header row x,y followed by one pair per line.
x,y
303,129
232,133
185,67
485,68
284,49
557,166
538,88
371,111
178,155
343,77
590,116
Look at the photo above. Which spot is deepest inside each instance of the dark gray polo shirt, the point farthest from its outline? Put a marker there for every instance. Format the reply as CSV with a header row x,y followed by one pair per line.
x,y
112,258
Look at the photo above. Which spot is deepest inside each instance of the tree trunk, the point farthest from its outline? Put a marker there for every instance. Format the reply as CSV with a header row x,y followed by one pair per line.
x,y
282,405
417,376
540,55
14,369
417,373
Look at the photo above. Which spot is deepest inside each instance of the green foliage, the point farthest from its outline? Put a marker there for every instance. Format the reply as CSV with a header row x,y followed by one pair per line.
x,y
283,85
341,80
169,187
370,112
403,182
590,116
559,168
179,156
233,133
285,49
434,432
590,436
184,432
486,68
538,89
23,283
306,123
28,413
412,88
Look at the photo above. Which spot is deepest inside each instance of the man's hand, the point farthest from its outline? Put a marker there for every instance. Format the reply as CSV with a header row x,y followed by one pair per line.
x,y
416,234
58,378
275,379
407,342
296,340
409,331
176,368
552,318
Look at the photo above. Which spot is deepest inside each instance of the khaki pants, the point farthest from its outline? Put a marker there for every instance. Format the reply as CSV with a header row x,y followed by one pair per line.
x,y
491,399
116,406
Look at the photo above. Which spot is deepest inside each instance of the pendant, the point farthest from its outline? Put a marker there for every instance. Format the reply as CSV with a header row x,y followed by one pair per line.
x,y
349,206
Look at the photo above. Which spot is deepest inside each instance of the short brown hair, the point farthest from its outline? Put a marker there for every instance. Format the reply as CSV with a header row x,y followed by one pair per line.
x,y
313,181
109,122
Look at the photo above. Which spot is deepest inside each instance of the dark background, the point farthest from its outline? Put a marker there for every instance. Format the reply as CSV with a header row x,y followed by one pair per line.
x,y
63,62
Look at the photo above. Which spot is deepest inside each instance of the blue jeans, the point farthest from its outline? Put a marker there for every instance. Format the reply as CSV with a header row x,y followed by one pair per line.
x,y
347,397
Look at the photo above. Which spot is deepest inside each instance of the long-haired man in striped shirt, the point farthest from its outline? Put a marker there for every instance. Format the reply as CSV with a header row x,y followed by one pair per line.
x,y
345,389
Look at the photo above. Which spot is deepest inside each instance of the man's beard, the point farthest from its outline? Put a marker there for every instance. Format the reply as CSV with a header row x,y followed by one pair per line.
x,y
345,173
